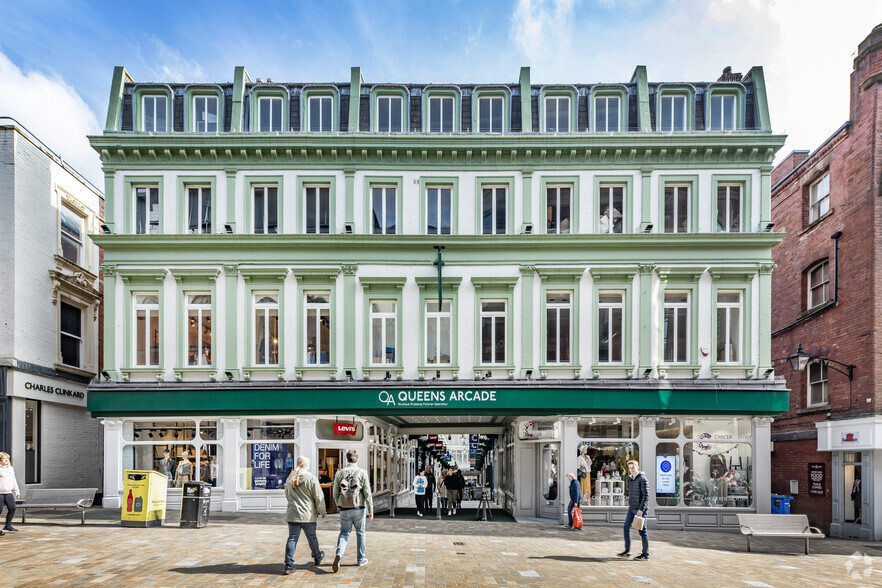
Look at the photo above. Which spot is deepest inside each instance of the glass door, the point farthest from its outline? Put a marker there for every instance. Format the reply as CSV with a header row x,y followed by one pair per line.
x,y
549,483
852,480
330,461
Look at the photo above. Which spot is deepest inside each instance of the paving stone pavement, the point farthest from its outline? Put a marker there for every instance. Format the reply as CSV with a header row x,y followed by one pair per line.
x,y
247,550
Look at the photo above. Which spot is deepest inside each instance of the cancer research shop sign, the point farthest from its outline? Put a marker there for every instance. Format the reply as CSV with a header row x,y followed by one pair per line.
x,y
666,474
437,398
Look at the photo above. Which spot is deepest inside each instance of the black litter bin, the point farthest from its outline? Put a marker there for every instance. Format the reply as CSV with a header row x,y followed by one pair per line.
x,y
195,502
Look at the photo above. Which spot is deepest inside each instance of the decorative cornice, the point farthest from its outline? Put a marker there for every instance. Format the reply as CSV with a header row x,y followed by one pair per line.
x,y
686,274
427,283
494,282
613,274
316,274
767,268
382,283
349,269
265,273
572,274
763,421
182,274
646,268
112,424
527,270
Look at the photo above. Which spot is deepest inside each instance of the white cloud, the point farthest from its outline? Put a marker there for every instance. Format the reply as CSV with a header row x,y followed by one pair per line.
x,y
53,111
166,64
543,31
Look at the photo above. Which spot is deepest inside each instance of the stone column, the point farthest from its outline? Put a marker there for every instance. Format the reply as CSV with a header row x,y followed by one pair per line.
x,y
231,466
648,440
112,463
762,464
306,441
567,464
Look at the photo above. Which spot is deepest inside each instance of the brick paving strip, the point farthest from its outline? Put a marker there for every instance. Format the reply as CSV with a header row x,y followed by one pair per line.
x,y
247,549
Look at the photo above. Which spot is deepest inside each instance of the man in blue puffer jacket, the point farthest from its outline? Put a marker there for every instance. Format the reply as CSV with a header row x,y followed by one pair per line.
x,y
638,501
575,495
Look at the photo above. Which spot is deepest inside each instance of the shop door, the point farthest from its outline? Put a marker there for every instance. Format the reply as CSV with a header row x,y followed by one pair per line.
x,y
853,476
525,481
549,481
330,462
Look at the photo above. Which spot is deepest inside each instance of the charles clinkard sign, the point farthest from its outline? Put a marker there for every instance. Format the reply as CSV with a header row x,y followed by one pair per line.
x,y
436,398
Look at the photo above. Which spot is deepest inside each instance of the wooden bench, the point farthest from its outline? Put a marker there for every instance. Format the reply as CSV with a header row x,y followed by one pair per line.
x,y
80,498
778,525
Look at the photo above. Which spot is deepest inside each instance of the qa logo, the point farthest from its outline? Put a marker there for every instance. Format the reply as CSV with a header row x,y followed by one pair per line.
x,y
387,398
859,565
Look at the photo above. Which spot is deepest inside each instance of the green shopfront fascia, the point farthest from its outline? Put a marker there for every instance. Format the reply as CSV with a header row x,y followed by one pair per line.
x,y
705,450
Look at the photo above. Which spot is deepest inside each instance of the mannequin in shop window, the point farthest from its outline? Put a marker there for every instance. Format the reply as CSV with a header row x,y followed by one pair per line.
x,y
166,466
584,473
184,470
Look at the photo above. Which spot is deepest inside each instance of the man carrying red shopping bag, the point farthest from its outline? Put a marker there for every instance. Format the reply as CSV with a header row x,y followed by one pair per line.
x,y
575,494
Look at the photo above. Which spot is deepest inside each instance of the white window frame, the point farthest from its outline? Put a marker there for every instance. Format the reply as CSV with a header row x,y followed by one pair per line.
x,y
436,316
726,105
313,112
149,227
821,382
676,196
205,100
78,337
494,316
154,98
440,190
267,101
390,107
384,212
384,317
440,104
556,111
819,198
606,201
200,199
264,308
672,99
201,309
558,308
266,207
680,339
314,191
728,215
606,101
731,354
555,190
149,310
824,284
494,213
609,308
492,100
317,308
75,240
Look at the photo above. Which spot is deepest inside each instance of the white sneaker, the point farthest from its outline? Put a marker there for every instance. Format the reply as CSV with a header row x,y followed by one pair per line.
x,y
448,513
454,511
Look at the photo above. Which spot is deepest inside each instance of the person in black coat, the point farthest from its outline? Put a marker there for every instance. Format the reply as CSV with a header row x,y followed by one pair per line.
x,y
430,487
575,495
638,501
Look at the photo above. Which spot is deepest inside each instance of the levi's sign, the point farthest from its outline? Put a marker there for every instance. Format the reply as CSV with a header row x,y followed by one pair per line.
x,y
345,429
435,398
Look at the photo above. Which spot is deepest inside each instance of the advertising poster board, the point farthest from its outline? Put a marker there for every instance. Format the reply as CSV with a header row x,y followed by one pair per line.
x,y
268,469
666,474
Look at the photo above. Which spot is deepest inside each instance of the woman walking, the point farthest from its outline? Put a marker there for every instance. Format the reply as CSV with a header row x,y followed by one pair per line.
x,y
8,491
442,496
305,503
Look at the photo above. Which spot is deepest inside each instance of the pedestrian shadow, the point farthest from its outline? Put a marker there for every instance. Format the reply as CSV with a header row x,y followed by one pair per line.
x,y
238,569
575,559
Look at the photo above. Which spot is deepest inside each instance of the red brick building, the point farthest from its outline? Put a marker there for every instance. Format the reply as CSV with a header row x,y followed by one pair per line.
x,y
826,298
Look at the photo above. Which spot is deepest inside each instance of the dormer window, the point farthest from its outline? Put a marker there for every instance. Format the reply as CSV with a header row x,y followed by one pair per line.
x,y
673,114
320,119
490,118
154,111
606,114
269,112
722,112
389,114
557,114
441,110
205,114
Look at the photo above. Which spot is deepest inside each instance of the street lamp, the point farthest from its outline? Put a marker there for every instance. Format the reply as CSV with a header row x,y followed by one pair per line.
x,y
800,359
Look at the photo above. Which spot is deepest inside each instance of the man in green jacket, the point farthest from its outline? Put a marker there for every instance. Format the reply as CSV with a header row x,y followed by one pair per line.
x,y
305,503
352,494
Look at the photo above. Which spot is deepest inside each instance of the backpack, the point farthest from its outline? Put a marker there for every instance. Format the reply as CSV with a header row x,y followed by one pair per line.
x,y
350,491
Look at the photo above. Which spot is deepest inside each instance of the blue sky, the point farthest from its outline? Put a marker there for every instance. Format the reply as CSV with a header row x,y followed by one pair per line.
x,y
56,58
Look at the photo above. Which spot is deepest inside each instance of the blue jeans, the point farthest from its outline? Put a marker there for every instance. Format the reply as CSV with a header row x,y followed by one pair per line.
x,y
294,535
355,517
629,520
570,511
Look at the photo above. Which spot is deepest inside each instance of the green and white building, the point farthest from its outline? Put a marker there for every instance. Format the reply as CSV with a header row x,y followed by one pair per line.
x,y
274,255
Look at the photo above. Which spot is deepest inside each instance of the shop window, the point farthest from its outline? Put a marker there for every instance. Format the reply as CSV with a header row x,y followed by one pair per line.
x,y
852,481
320,117
612,209
608,428
146,307
605,482
199,210
819,198
673,114
208,430
318,209
71,335
676,327
32,437
383,202
438,329
606,114
71,235
146,210
493,201
817,383
269,112
490,117
199,329
493,317
318,328
205,114
389,114
550,458
266,466
676,209
268,429
210,466
728,208
818,284
441,114
154,114
559,207
383,332
558,327
160,431
178,461
379,468
266,328
667,475
611,343
557,114
722,112
728,327
266,210
718,474
438,207
667,428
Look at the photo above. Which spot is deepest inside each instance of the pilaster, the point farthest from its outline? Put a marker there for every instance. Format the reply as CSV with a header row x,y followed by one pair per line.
x,y
648,441
569,452
231,198
306,442
762,464
646,330
765,318
229,436
528,197
110,318
231,304
527,338
349,341
646,199
112,463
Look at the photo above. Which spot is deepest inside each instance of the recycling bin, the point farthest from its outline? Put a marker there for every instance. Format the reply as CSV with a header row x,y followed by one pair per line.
x,y
781,504
195,502
144,498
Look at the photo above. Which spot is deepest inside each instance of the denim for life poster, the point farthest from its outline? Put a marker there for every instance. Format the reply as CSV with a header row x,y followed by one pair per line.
x,y
268,469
